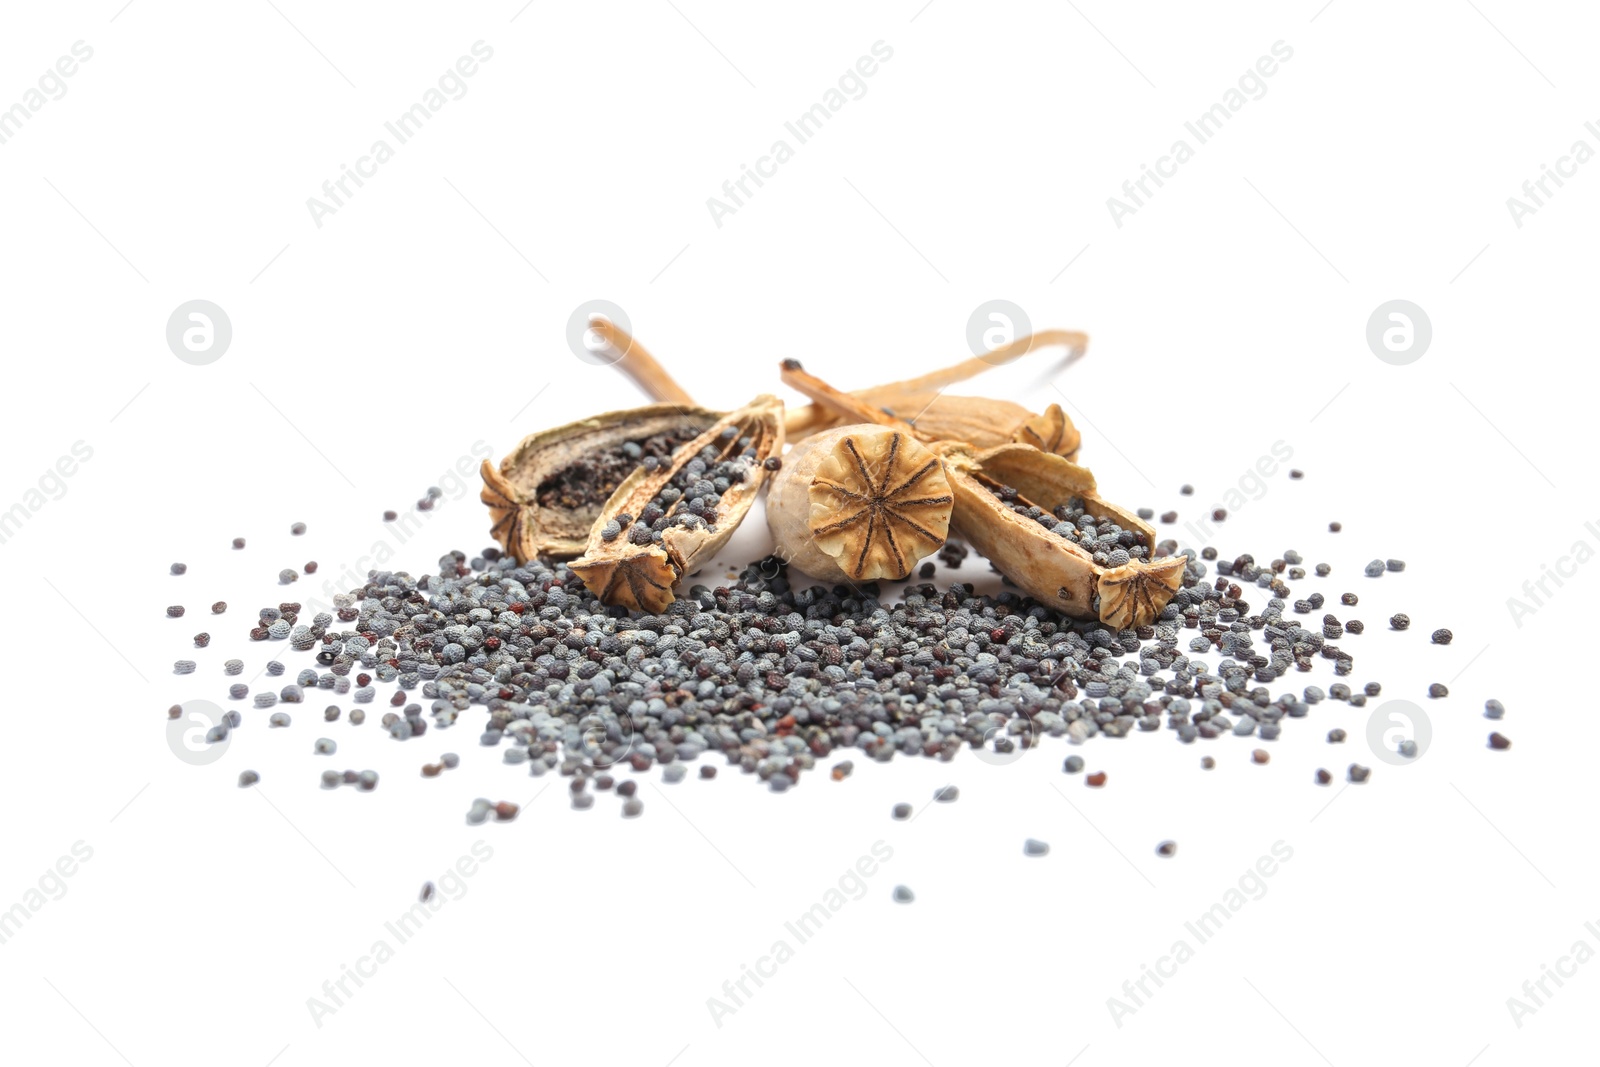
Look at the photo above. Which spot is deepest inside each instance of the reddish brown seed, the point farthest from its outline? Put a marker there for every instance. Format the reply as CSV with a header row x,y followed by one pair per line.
x,y
390,516
175,611
202,640
1260,755
1335,527
1096,780
1207,762
431,770
1323,777
219,607
1219,514
707,771
310,568
398,699
505,811
363,679
1498,741
175,711
238,542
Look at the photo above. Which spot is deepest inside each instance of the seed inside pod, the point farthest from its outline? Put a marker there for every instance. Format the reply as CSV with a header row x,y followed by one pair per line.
x,y
547,493
859,503
664,520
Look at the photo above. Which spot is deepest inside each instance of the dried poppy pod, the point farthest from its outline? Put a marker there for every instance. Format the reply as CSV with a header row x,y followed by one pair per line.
x,y
977,421
858,503
664,523
1051,566
545,495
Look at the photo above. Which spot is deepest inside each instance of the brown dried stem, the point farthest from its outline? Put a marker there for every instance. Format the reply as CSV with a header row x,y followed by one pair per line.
x,y
639,365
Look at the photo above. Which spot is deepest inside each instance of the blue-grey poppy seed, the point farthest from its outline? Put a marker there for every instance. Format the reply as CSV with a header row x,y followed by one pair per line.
x,y
183,666
179,568
1493,709
1032,847
175,611
324,747
238,691
1375,568
278,718
248,778
297,529
902,895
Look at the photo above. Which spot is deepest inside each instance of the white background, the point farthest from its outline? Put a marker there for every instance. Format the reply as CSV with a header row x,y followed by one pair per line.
x,y
369,355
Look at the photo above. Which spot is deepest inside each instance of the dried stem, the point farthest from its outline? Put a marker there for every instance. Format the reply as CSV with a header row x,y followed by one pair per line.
x,y
802,420
639,365
999,357
842,404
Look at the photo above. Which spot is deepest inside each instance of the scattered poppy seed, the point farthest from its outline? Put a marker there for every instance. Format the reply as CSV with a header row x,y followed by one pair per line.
x,y
1323,777
1207,762
390,516
219,607
1167,849
1499,741
248,778
175,611
1296,474
1442,637
1032,847
1096,780
1072,764
179,568
201,640
1437,689
1336,736
1187,490
902,895
947,794
1335,527
426,894
1375,568
310,568
1493,709
297,529
1260,755
238,542
1359,774
901,811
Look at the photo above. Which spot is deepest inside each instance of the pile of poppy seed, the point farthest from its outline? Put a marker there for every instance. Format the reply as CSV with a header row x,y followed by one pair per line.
x,y
774,677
